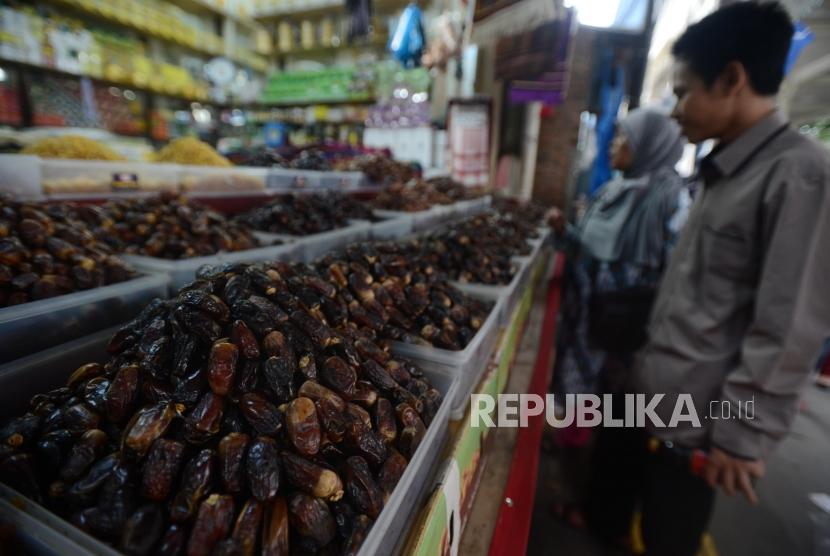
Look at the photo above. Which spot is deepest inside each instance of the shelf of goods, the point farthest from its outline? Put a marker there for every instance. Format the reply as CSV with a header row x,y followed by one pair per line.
x,y
455,375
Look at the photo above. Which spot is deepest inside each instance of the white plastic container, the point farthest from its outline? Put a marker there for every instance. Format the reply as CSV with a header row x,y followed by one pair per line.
x,y
34,326
237,179
183,271
421,220
391,229
49,369
467,364
312,247
65,179
287,179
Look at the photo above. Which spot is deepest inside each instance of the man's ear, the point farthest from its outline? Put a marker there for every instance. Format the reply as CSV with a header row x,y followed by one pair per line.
x,y
732,79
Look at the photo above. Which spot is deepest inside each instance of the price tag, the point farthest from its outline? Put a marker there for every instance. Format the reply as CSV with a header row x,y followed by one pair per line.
x,y
124,181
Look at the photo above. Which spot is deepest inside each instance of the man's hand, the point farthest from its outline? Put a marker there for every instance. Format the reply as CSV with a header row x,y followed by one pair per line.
x,y
556,220
733,474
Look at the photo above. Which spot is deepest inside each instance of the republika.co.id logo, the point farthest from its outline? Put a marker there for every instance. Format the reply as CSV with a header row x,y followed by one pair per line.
x,y
590,410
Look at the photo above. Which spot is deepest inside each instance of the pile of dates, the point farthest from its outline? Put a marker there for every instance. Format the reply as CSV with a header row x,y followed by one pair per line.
x,y
417,195
166,226
244,416
529,212
476,250
378,168
46,251
382,289
302,215
310,159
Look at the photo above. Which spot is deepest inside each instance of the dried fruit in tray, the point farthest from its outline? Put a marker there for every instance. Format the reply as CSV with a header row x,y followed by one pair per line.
x,y
302,215
166,226
48,250
230,439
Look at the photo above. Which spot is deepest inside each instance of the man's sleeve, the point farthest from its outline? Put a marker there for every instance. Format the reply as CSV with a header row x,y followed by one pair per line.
x,y
792,314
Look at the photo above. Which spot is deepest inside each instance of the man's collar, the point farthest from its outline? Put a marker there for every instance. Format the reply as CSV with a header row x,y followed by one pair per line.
x,y
728,159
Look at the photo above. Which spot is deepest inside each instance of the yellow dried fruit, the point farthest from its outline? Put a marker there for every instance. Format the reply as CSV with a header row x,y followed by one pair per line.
x,y
187,150
72,146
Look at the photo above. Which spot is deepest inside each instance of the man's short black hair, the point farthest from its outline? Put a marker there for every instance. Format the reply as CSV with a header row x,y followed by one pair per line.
x,y
757,35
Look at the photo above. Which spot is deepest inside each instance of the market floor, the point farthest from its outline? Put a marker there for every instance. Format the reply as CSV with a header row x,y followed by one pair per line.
x,y
783,522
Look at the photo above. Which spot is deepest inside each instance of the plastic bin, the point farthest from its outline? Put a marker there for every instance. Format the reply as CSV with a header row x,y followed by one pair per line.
x,y
38,325
312,247
508,293
49,369
202,179
343,180
287,179
467,364
391,229
63,178
183,271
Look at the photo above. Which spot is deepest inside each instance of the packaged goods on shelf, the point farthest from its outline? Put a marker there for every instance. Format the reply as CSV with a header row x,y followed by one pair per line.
x,y
277,436
73,147
188,150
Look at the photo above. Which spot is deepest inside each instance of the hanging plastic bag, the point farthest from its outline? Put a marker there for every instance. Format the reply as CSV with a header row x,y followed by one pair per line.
x,y
407,42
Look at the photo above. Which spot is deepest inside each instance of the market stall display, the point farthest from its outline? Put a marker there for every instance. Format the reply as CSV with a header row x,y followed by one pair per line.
x,y
379,168
166,226
419,195
383,290
73,147
284,431
48,251
522,211
301,215
188,150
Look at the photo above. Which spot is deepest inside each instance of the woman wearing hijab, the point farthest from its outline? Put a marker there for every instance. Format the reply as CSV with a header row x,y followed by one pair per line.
x,y
615,256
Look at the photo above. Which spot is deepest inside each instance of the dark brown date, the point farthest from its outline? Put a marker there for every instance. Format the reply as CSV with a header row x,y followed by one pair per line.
x,y
247,526
391,472
385,421
311,478
173,541
263,467
232,450
196,480
261,414
161,469
338,375
360,530
122,393
85,451
311,518
142,530
303,426
242,336
361,489
84,373
205,418
222,366
213,523
148,424
275,529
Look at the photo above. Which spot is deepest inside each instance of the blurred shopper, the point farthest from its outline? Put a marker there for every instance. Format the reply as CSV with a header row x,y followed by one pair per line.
x,y
743,306
615,257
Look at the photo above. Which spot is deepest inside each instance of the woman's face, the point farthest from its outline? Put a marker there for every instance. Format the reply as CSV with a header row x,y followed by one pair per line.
x,y
620,153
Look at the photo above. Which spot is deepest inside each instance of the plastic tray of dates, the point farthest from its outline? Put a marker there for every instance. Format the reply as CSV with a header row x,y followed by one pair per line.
x,y
234,418
391,228
311,247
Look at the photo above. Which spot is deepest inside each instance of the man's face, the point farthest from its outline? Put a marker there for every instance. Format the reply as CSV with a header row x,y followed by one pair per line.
x,y
702,112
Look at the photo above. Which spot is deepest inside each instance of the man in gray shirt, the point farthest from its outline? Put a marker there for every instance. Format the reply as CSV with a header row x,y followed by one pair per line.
x,y
744,303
